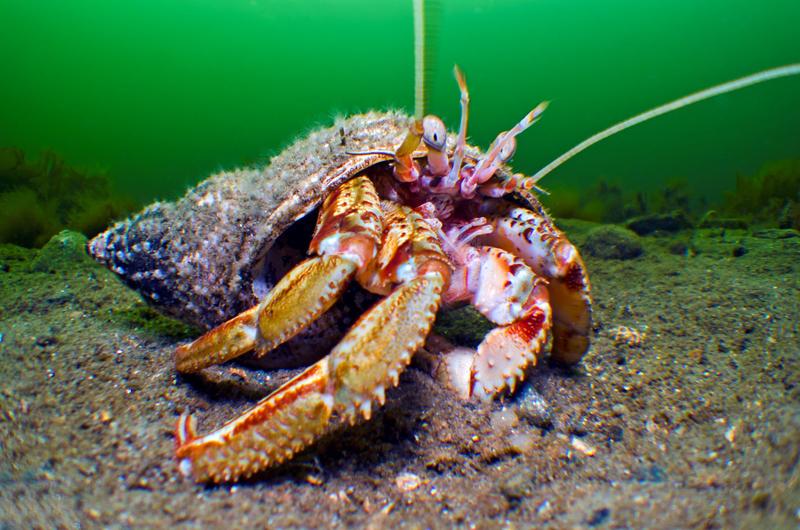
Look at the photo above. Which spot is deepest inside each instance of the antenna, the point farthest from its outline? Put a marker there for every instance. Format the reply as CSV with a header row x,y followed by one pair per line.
x,y
419,59
425,20
730,86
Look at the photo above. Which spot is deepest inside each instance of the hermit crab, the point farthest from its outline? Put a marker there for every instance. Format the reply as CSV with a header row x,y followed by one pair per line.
x,y
389,203
404,210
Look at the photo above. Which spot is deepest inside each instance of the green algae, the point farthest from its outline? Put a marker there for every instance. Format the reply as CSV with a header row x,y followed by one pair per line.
x,y
771,197
42,197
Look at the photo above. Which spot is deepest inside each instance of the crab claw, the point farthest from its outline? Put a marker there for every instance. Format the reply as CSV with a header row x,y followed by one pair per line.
x,y
411,268
305,293
346,236
507,292
347,382
549,253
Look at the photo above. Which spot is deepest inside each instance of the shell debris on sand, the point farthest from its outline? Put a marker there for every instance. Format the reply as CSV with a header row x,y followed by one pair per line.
x,y
631,337
582,447
408,481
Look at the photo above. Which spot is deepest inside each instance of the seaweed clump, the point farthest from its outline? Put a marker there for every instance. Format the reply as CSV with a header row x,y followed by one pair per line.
x,y
771,197
609,202
40,198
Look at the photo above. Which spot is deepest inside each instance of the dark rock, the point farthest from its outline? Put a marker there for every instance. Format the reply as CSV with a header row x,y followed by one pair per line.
x,y
679,248
598,517
616,433
63,251
664,222
612,242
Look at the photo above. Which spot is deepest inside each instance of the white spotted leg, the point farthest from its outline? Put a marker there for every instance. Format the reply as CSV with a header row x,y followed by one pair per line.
x,y
507,292
547,251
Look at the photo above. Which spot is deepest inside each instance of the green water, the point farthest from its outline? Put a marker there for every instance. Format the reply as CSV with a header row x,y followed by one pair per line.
x,y
162,92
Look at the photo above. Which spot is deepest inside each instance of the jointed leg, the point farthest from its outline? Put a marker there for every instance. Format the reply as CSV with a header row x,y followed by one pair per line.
x,y
547,251
352,377
367,361
345,240
507,292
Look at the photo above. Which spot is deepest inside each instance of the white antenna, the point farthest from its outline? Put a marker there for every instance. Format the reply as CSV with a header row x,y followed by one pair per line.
x,y
752,79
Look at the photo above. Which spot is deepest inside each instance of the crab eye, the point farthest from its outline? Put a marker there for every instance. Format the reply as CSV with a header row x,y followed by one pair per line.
x,y
435,134
508,149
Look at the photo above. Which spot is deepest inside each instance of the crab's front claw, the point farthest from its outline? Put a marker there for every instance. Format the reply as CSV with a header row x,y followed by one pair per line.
x,y
507,292
347,231
532,237
347,382
305,293
507,351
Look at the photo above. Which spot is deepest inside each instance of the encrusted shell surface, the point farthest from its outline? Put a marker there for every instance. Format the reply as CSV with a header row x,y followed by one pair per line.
x,y
196,258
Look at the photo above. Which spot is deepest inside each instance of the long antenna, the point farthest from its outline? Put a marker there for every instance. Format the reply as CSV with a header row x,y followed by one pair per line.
x,y
419,59
752,79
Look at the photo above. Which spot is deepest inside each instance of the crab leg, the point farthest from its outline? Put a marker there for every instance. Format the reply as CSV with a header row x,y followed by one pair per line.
x,y
507,292
405,169
547,251
346,236
368,360
348,381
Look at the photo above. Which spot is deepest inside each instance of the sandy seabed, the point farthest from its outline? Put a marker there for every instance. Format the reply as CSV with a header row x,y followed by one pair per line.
x,y
685,413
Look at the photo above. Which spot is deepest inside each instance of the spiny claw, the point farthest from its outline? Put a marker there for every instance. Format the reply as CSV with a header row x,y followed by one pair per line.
x,y
547,251
272,431
379,346
507,292
298,299
366,362
506,352
348,228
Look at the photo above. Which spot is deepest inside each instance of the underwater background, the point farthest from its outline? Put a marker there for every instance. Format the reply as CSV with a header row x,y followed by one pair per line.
x,y
147,98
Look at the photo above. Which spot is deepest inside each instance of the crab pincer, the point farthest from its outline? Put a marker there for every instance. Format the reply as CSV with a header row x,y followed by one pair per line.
x,y
410,267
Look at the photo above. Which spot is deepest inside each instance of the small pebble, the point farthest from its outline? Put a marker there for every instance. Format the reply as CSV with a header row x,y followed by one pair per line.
x,y
521,443
733,432
517,486
407,481
504,420
534,409
314,480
